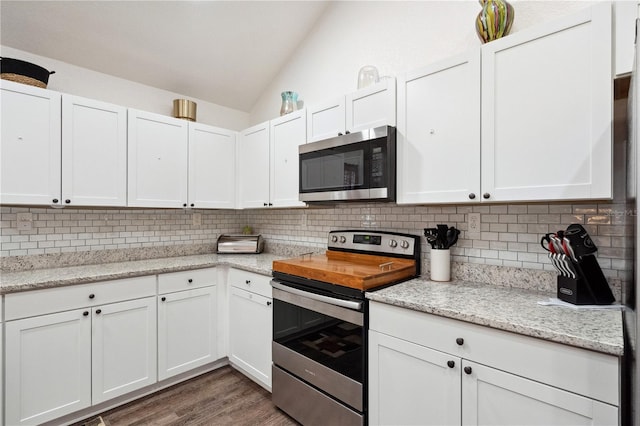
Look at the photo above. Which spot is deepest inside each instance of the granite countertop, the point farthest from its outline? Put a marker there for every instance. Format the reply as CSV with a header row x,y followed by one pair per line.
x,y
503,308
69,275
509,309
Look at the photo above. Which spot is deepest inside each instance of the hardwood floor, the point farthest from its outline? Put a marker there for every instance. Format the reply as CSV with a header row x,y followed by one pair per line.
x,y
221,397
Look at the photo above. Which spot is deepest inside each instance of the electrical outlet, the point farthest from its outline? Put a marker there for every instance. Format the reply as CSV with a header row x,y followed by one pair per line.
x,y
473,228
196,219
25,221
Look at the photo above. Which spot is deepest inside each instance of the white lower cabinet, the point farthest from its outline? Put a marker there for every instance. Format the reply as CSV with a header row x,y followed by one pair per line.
x,y
71,357
250,325
187,327
429,370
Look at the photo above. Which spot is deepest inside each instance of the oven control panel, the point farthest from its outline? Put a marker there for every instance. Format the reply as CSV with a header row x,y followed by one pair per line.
x,y
375,242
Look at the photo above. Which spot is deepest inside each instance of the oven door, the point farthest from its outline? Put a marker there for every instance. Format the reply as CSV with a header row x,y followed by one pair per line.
x,y
318,351
355,166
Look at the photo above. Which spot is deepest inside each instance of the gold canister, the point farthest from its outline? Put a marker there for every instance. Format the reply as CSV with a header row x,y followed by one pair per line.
x,y
185,109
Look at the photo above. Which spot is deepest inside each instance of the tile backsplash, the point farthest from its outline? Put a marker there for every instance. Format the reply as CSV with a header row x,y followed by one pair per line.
x,y
510,233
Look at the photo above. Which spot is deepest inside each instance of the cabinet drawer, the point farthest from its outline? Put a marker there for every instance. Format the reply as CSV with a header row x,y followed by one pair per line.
x,y
45,301
581,371
185,280
250,281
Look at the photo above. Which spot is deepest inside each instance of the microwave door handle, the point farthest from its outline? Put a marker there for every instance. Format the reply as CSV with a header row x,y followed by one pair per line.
x,y
320,298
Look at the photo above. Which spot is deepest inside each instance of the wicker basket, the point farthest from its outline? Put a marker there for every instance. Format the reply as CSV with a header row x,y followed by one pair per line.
x,y
22,79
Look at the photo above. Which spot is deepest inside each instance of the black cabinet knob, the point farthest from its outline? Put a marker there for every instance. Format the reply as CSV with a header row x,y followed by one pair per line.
x,y
268,303
270,204
467,370
85,313
98,311
190,280
67,201
184,205
91,296
472,196
347,132
191,204
451,364
163,298
55,201
339,133
247,282
460,341
264,204
486,195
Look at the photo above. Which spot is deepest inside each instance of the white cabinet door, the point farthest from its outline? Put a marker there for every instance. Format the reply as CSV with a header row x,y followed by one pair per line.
x,y
30,145
250,331
253,164
547,110
94,154
490,396
48,366
124,348
212,171
439,132
157,160
187,330
326,120
372,106
287,133
410,384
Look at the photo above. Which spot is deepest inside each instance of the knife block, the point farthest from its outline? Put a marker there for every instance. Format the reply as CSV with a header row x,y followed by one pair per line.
x,y
590,286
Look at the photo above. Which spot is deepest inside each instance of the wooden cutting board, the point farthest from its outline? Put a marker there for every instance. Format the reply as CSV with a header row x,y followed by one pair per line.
x,y
360,271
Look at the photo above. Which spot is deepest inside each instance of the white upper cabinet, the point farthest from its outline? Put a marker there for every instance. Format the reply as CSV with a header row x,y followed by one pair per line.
x,y
287,133
268,162
212,159
326,120
253,166
94,154
439,132
372,106
30,145
547,111
625,15
157,160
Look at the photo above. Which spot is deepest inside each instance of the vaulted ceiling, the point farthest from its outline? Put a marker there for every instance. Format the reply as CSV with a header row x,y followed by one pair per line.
x,y
225,52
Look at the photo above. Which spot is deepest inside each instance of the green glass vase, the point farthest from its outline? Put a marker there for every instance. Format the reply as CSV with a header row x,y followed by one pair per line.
x,y
494,20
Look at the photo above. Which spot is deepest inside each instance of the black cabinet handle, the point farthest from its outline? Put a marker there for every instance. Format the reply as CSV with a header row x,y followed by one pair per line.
x,y
91,296
99,311
451,364
467,370
268,303
55,201
85,313
486,195
163,298
460,341
472,196
190,280
67,201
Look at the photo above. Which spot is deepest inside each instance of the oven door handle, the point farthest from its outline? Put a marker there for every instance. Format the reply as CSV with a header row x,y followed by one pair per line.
x,y
320,298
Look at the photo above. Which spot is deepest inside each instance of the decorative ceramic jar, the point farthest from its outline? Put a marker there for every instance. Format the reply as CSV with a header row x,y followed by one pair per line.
x,y
494,20
289,102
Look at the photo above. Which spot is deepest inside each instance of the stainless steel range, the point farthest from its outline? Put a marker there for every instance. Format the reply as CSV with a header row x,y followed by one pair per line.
x,y
320,322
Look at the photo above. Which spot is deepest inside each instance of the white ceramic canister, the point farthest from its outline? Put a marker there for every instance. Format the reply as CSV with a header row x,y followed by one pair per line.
x,y
440,264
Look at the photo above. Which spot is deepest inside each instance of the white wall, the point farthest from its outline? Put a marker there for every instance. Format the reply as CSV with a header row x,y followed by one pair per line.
x,y
395,36
95,85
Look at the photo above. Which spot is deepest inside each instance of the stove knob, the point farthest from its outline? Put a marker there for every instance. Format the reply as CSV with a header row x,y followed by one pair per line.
x,y
334,239
393,243
343,239
404,244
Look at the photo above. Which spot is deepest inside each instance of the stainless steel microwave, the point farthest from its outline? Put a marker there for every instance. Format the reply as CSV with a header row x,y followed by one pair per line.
x,y
357,166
